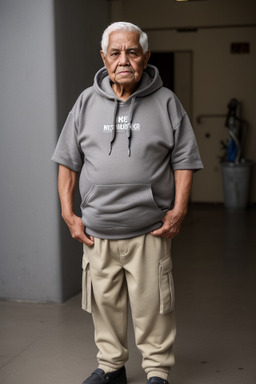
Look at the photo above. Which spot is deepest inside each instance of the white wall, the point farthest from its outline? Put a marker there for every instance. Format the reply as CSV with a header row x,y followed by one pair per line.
x,y
39,261
218,75
29,234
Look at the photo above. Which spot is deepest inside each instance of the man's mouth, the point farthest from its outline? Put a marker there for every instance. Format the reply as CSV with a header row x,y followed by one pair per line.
x,y
124,72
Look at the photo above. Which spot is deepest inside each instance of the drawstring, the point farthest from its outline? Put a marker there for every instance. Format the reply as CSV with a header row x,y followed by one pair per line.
x,y
114,128
129,128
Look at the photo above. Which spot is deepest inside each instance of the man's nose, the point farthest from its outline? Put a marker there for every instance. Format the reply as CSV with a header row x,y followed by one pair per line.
x,y
123,58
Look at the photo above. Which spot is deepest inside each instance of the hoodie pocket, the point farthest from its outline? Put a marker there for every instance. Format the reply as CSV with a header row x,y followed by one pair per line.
x,y
86,285
166,286
120,206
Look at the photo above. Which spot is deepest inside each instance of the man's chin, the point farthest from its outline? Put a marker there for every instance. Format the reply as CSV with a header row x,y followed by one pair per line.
x,y
126,80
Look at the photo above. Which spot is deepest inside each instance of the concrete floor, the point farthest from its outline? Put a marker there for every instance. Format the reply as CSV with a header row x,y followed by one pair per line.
x,y
214,271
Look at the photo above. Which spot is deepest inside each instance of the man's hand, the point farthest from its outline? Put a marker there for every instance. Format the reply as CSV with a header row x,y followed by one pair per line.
x,y
173,219
66,184
77,230
171,225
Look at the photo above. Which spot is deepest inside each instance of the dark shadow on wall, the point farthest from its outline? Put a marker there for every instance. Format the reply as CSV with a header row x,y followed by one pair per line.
x,y
77,46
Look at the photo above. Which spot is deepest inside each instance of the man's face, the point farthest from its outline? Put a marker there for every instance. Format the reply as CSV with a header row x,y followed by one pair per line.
x,y
124,59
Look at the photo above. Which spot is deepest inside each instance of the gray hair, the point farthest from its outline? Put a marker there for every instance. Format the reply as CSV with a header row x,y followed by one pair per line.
x,y
124,26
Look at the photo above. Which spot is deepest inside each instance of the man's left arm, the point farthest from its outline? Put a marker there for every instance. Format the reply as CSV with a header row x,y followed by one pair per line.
x,y
173,219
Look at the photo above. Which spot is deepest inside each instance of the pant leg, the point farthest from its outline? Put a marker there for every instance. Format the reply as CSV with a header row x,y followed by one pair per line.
x,y
109,303
150,287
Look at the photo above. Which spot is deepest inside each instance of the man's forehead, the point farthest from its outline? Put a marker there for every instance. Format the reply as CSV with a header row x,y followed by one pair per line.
x,y
120,38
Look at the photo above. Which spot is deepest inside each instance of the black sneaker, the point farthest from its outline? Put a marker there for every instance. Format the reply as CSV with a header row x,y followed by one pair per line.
x,y
156,380
100,377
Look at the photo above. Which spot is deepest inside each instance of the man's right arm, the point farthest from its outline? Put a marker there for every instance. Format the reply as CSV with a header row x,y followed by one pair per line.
x,y
67,180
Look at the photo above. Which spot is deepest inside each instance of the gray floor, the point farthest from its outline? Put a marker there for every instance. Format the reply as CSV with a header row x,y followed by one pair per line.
x,y
215,276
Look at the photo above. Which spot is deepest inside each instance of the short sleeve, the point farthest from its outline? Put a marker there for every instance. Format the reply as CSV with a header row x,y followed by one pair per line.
x,y
67,151
185,153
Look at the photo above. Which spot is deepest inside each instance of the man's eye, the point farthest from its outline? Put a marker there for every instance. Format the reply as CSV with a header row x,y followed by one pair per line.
x,y
133,53
114,54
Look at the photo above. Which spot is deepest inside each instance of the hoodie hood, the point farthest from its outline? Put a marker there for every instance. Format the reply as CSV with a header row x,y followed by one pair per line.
x,y
149,83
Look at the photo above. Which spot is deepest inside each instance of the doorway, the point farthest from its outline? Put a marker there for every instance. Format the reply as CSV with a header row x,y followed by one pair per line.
x,y
176,71
164,61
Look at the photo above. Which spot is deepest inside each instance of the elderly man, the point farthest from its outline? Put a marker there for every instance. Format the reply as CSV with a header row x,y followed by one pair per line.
x,y
132,143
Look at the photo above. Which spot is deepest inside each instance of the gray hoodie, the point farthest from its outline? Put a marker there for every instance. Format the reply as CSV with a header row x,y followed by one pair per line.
x,y
126,153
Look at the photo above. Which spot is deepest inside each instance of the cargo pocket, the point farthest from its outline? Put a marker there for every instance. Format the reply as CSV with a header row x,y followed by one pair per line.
x,y
86,285
166,286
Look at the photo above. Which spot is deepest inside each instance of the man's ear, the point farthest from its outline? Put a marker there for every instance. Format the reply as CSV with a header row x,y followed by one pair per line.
x,y
102,56
147,56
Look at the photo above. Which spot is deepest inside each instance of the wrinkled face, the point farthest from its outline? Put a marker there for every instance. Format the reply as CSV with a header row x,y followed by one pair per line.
x,y
125,60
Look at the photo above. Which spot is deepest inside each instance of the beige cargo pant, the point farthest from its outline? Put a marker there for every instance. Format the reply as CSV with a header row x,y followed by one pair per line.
x,y
138,271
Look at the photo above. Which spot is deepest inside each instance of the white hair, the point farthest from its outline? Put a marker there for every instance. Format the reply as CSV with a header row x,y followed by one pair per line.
x,y
124,26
